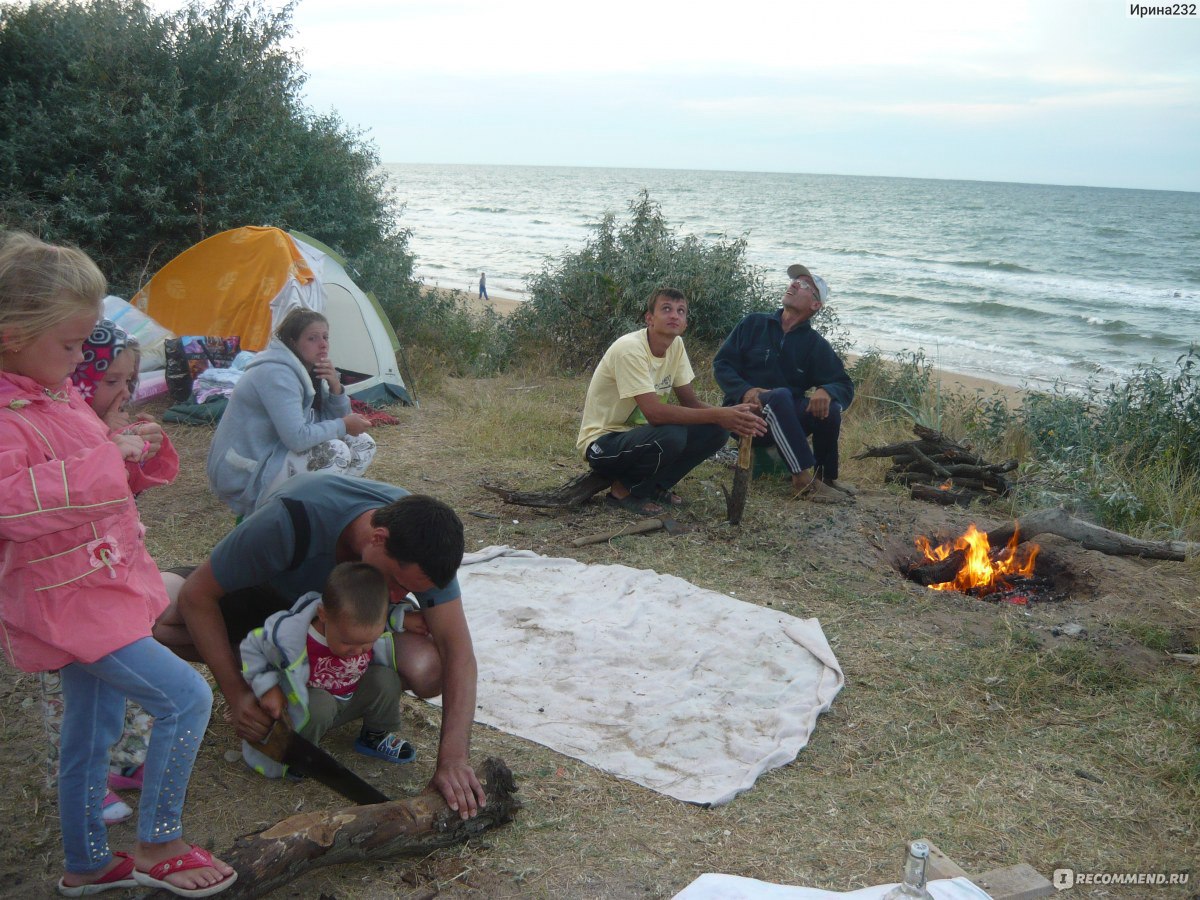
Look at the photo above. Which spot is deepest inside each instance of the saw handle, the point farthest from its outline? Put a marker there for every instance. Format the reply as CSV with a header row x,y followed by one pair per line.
x,y
276,743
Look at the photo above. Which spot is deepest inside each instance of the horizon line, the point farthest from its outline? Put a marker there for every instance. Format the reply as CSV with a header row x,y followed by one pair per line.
x,y
1103,187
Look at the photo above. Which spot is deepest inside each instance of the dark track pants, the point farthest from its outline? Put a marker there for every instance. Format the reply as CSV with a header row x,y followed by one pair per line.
x,y
651,459
791,425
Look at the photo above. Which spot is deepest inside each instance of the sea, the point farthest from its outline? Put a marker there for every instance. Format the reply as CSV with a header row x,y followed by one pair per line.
x,y
1029,285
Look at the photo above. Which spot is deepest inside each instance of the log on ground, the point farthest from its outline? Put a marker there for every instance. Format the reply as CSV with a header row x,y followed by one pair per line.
x,y
943,498
1057,520
415,826
578,490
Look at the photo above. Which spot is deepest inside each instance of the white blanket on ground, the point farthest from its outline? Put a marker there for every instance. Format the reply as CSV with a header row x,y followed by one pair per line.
x,y
732,887
685,691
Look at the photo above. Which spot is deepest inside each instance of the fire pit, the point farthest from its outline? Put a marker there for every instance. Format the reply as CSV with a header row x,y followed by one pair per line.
x,y
1018,572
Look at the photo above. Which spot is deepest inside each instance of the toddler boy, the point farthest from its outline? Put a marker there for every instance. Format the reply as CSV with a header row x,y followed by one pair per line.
x,y
330,660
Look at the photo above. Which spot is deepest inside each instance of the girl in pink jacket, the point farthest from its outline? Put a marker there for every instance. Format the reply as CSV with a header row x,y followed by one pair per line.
x,y
80,591
107,379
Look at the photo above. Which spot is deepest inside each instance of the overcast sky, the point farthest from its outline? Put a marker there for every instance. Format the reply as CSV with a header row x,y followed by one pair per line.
x,y
1052,91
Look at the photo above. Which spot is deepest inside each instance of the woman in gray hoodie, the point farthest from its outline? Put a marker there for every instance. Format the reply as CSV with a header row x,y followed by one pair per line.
x,y
289,413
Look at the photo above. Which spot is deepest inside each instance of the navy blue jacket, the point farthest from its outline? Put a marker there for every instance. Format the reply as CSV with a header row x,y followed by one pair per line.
x,y
758,353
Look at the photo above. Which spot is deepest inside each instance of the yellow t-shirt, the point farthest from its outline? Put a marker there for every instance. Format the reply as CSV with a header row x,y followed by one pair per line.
x,y
628,369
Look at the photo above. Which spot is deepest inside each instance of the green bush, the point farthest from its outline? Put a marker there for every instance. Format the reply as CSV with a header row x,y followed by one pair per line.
x,y
904,386
135,134
583,301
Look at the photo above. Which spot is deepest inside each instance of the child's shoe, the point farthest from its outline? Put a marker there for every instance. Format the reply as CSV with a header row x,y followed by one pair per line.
x,y
114,809
126,779
385,745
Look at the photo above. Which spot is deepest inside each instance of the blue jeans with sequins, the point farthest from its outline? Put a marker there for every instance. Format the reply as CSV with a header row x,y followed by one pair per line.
x,y
178,698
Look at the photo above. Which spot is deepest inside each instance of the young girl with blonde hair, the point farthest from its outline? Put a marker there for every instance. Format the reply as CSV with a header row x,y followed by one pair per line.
x,y
80,591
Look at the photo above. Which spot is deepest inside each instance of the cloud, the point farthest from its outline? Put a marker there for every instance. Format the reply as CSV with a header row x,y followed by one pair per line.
x,y
799,87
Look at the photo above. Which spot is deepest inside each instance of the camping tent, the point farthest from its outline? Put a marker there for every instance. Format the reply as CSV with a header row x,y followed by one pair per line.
x,y
244,281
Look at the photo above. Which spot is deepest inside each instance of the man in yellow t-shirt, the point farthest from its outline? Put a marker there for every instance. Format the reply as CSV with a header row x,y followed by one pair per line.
x,y
631,435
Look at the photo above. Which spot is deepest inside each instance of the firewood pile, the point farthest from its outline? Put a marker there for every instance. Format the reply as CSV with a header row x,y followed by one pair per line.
x,y
941,470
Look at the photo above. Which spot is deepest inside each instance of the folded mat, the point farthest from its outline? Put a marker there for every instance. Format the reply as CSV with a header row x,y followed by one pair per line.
x,y
683,690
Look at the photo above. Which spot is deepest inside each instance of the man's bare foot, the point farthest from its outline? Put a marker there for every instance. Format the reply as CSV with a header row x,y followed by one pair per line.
x,y
808,487
181,868
844,486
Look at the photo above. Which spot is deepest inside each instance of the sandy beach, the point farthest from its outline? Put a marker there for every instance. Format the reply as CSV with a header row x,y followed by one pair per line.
x,y
953,381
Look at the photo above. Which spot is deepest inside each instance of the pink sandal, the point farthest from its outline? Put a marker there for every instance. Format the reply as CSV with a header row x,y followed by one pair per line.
x,y
119,782
196,858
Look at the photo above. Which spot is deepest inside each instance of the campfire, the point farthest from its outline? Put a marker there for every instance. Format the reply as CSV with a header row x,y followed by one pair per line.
x,y
982,571
1001,568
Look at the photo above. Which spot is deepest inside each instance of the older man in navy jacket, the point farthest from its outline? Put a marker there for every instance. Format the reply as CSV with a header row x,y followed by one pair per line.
x,y
772,361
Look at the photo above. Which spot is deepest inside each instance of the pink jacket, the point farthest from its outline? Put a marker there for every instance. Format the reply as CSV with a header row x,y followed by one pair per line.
x,y
77,580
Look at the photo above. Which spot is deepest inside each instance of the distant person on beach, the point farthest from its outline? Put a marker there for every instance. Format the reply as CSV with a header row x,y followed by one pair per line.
x,y
289,546
631,435
483,286
771,361
289,413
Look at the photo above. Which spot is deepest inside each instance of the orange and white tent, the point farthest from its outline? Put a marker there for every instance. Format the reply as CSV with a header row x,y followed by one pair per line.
x,y
244,281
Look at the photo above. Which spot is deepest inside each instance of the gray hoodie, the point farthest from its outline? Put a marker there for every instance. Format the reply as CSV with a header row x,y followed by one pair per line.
x,y
269,414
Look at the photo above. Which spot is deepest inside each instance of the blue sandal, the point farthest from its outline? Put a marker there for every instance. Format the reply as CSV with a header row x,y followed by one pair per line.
x,y
391,747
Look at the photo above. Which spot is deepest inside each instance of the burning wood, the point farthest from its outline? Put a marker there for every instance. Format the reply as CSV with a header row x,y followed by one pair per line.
x,y
977,568
941,470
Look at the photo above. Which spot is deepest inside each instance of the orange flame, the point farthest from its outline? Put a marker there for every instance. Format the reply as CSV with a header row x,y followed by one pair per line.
x,y
979,571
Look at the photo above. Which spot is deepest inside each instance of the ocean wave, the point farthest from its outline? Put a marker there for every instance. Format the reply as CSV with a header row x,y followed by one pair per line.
x,y
855,251
989,265
488,209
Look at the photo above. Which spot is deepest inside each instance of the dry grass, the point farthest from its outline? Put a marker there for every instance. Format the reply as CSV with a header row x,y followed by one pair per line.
x,y
970,724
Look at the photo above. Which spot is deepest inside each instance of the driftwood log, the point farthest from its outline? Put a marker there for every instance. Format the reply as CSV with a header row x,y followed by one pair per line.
x,y
578,490
934,465
412,827
1057,520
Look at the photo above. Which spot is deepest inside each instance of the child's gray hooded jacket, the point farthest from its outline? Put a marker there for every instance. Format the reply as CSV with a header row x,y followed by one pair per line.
x,y
277,654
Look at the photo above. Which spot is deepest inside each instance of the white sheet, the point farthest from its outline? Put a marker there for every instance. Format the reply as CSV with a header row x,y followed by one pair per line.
x,y
733,887
685,691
